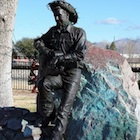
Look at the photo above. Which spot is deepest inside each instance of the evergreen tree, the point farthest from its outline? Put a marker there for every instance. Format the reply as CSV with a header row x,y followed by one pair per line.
x,y
113,46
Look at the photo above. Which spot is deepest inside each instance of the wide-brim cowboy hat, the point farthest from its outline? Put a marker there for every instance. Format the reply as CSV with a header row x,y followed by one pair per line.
x,y
73,16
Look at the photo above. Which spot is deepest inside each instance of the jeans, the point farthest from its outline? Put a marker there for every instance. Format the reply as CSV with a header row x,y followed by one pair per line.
x,y
69,81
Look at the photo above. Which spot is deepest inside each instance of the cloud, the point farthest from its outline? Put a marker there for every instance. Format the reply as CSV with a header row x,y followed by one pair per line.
x,y
137,27
109,21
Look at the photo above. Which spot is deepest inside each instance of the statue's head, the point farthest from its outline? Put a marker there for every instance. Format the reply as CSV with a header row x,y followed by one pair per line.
x,y
63,12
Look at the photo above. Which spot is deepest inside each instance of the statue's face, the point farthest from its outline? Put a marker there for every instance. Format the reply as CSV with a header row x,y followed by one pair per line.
x,y
61,16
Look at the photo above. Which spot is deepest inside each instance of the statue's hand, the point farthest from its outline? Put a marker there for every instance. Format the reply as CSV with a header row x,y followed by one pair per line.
x,y
56,62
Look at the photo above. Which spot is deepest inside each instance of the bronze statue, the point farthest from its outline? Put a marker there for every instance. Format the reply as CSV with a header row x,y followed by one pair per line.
x,y
62,51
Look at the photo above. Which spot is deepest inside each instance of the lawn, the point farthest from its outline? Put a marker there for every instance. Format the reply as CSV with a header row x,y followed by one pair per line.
x,y
25,99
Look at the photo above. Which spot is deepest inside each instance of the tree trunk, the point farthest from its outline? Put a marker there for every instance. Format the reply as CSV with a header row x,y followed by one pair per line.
x,y
7,18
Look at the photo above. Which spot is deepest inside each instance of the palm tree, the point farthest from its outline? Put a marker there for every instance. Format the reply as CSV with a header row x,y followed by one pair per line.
x,y
7,18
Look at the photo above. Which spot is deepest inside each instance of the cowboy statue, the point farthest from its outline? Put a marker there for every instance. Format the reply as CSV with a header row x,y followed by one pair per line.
x,y
62,50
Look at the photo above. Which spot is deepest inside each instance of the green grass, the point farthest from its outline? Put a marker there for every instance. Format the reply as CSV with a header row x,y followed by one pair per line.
x,y
25,99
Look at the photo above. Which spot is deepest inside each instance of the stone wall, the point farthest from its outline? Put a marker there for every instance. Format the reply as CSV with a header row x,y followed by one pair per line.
x,y
19,124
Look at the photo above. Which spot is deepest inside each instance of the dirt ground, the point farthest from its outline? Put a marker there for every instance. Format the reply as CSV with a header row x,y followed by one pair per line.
x,y
25,99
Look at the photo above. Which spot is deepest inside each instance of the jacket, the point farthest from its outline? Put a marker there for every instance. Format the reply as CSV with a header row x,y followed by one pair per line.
x,y
71,42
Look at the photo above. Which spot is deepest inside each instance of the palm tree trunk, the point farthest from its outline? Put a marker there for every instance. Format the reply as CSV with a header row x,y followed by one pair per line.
x,y
7,18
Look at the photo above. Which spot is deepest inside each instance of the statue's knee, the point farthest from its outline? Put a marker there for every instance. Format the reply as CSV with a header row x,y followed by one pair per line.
x,y
47,85
43,84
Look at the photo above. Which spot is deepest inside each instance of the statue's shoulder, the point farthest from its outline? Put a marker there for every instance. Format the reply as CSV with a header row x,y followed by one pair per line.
x,y
78,29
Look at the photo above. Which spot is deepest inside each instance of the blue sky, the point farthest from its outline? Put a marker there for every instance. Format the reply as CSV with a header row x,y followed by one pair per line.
x,y
103,20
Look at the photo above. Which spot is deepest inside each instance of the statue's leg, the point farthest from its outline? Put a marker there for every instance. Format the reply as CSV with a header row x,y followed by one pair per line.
x,y
71,84
45,101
